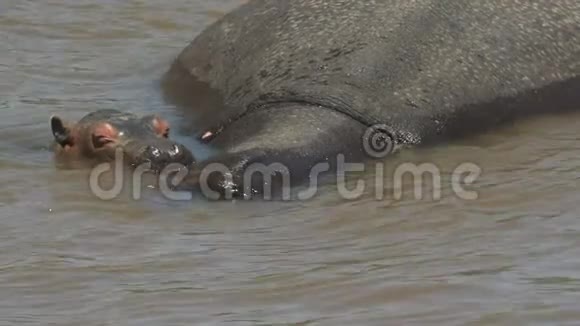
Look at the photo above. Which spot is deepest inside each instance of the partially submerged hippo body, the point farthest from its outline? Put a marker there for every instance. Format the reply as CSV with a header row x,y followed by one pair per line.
x,y
298,82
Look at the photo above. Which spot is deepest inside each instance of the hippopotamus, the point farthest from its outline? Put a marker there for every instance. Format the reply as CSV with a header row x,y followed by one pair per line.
x,y
299,82
99,135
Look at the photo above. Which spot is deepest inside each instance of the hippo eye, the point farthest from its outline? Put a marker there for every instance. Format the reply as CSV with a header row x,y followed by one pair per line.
x,y
100,141
166,133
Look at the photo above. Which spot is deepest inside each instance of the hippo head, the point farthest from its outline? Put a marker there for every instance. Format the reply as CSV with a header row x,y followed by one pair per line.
x,y
101,134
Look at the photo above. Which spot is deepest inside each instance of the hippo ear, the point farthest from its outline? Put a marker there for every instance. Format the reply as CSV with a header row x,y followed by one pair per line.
x,y
160,126
62,134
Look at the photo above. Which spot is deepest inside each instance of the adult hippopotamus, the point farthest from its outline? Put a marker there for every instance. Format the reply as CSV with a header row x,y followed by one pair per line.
x,y
298,82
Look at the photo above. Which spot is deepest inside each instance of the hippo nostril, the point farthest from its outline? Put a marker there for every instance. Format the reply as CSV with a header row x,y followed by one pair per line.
x,y
163,153
152,152
174,151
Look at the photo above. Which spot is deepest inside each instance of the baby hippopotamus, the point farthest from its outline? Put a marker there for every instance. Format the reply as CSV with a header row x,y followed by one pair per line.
x,y
101,134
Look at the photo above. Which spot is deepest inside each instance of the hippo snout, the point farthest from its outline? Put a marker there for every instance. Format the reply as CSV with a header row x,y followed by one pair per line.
x,y
159,153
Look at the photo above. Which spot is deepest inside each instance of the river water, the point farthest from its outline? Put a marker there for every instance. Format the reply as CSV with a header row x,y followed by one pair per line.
x,y
512,256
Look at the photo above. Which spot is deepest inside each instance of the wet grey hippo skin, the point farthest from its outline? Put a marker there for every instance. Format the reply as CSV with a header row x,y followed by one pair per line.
x,y
97,137
299,81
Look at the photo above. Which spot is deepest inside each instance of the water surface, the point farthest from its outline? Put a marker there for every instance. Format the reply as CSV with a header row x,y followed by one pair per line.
x,y
69,258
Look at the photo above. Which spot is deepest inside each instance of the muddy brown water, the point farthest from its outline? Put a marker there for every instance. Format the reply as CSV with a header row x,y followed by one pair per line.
x,y
68,258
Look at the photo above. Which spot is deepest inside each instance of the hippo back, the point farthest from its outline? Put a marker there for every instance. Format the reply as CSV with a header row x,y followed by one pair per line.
x,y
420,66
